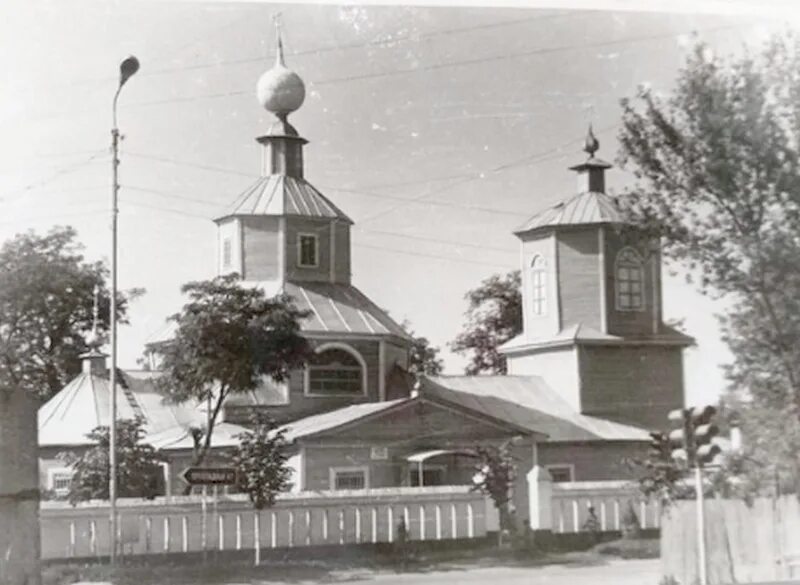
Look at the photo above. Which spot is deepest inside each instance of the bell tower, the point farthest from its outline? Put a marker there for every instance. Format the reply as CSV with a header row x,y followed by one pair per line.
x,y
591,288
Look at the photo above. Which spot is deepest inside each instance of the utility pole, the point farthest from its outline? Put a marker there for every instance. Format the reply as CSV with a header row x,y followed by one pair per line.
x,y
126,69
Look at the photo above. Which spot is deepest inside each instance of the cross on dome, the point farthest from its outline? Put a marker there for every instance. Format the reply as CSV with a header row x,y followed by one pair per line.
x,y
280,90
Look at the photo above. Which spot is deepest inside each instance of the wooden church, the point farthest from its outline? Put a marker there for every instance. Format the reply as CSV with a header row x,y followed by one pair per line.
x,y
593,370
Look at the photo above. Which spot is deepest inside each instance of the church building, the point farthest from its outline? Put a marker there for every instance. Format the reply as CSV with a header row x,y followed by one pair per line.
x,y
593,370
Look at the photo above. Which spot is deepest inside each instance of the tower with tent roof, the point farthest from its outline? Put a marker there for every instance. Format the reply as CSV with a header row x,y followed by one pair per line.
x,y
592,299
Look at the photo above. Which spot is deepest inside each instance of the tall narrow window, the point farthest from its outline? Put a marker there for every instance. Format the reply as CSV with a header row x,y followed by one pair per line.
x,y
538,286
226,253
307,250
629,274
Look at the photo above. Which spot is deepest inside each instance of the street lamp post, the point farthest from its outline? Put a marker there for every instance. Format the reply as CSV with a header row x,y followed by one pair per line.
x,y
126,70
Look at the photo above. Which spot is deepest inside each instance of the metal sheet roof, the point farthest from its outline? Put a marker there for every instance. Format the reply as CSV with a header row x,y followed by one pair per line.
x,y
529,402
341,308
578,333
85,403
326,421
285,195
583,209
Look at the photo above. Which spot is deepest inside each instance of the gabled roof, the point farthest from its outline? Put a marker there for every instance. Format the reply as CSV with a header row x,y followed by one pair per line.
x,y
580,333
583,209
285,195
527,401
318,423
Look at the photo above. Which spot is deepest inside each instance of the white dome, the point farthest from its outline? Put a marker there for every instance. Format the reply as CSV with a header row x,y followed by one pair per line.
x,y
280,90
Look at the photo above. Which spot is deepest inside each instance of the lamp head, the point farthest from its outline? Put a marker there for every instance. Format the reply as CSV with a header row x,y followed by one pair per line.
x,y
127,69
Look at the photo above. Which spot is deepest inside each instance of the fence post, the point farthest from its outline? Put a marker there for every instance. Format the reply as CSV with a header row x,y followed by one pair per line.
x,y
540,498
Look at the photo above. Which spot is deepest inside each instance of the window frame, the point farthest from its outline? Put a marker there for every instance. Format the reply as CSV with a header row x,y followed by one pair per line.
x,y
413,468
344,347
625,259
315,238
568,466
334,471
227,253
537,281
51,479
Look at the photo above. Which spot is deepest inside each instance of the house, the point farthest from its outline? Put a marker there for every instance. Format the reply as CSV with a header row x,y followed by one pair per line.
x,y
594,368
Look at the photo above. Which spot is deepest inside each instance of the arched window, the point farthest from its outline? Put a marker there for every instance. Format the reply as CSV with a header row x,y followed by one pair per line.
x,y
336,370
538,286
629,274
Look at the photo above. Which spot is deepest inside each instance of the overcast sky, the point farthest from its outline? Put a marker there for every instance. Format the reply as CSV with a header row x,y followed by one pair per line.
x,y
438,130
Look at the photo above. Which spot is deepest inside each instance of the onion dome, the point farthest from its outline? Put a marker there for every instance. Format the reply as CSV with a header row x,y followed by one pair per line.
x,y
280,90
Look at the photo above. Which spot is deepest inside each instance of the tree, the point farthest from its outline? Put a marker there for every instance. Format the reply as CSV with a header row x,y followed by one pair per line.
x,y
228,337
423,357
718,179
46,299
494,316
496,472
261,462
46,302
139,474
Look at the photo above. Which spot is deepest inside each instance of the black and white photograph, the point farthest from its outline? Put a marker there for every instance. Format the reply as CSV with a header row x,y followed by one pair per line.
x,y
399,293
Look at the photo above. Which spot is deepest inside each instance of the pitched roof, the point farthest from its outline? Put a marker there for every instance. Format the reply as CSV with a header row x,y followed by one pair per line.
x,y
333,307
528,402
580,333
585,208
85,403
332,419
285,195
341,308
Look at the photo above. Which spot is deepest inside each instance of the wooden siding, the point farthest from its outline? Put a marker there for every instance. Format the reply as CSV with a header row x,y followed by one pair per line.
x,y
341,268
320,228
301,405
595,461
229,230
579,277
637,385
260,248
632,323
549,323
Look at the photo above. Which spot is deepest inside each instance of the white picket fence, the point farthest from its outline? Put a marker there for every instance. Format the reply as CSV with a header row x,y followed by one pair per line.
x,y
572,503
190,524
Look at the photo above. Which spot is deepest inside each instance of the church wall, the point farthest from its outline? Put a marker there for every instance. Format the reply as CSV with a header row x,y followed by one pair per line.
x,y
341,258
548,324
632,323
260,248
394,355
557,367
636,385
320,228
229,230
579,277
592,461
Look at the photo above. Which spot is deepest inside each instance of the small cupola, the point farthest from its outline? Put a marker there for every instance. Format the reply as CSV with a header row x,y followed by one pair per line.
x,y
591,173
94,360
281,91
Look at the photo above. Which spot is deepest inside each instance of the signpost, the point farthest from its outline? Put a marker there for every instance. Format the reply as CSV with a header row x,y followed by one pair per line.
x,y
206,476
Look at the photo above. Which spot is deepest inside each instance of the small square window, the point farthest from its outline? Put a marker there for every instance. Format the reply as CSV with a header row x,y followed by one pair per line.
x,y
307,250
560,473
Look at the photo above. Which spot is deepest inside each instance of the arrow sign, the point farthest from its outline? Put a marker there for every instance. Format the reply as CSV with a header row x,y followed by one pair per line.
x,y
209,475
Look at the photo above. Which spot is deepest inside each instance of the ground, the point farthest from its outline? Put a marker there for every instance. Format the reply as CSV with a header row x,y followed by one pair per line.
x,y
562,569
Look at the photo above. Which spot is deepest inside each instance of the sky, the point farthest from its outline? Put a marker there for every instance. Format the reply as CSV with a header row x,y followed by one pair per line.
x,y
437,129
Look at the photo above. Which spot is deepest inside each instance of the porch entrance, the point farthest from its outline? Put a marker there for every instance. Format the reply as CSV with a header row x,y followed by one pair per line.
x,y
441,467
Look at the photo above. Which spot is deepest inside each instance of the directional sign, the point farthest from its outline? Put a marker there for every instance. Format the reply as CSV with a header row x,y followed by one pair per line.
x,y
210,475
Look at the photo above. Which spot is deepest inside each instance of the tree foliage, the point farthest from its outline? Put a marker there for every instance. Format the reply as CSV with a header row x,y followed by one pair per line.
x,y
494,316
46,300
423,357
495,474
261,462
139,472
718,178
227,339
